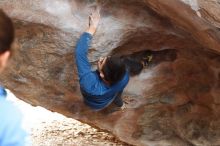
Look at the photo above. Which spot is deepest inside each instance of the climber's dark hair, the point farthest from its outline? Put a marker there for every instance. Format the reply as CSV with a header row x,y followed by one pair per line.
x,y
6,32
113,69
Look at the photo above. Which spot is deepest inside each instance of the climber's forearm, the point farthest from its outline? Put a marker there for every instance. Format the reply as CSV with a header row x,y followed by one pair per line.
x,y
91,30
93,22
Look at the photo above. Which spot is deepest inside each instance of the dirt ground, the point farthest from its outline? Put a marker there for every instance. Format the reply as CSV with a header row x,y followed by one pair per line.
x,y
69,132
47,128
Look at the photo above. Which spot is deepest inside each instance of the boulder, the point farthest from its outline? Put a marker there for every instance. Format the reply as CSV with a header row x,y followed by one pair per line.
x,y
174,101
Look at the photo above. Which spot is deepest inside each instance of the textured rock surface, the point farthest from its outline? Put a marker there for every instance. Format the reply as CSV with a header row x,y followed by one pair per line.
x,y
210,11
207,10
173,102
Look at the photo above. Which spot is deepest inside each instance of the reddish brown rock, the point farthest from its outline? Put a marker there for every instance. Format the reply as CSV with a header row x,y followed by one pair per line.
x,y
175,101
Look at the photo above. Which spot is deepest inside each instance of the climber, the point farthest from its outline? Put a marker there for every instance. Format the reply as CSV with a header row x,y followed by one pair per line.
x,y
136,62
11,132
104,86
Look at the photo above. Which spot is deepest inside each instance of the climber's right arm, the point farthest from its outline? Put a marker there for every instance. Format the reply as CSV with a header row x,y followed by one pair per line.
x,y
83,44
81,52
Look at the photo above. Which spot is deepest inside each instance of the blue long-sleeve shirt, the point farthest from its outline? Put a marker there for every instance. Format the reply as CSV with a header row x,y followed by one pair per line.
x,y
96,93
11,132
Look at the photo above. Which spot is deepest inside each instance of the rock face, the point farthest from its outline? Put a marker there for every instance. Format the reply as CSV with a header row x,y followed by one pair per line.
x,y
175,101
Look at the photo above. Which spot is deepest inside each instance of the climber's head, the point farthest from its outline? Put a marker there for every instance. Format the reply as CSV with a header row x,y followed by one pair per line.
x,y
111,69
6,38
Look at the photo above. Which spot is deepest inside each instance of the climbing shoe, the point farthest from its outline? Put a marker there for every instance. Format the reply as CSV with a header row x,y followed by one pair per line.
x,y
147,59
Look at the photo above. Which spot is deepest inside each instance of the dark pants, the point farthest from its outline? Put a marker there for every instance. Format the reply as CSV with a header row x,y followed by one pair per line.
x,y
133,65
118,100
